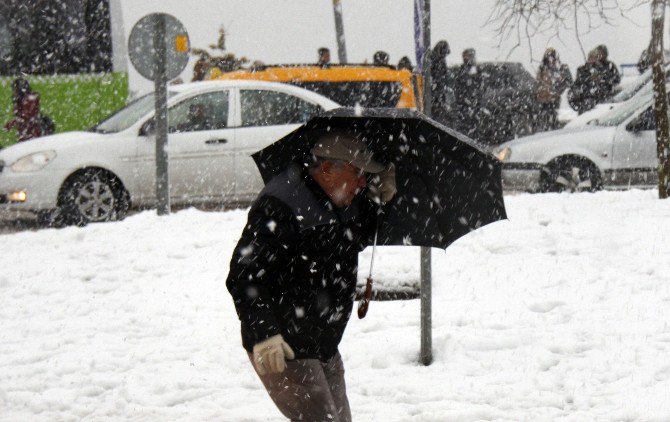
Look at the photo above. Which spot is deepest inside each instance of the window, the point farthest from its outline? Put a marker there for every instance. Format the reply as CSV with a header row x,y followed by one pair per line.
x,y
128,115
203,112
269,108
645,121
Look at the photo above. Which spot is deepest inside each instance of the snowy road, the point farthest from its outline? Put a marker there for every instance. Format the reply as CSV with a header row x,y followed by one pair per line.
x,y
561,313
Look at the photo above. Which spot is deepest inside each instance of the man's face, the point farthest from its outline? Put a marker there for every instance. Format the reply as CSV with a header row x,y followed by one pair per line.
x,y
342,182
469,58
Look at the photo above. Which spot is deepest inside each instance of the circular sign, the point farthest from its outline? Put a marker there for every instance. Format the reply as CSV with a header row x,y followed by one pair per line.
x,y
142,45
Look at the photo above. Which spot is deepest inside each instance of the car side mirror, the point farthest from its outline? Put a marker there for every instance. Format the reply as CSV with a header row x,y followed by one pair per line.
x,y
147,128
637,125
634,126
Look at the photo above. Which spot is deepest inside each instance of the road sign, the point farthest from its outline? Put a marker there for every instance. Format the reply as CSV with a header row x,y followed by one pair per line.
x,y
142,46
158,48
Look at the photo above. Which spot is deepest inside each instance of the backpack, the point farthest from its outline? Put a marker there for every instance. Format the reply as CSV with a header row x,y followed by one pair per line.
x,y
47,125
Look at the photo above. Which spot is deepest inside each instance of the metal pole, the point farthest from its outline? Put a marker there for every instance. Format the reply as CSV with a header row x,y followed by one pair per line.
x,y
426,264
160,87
339,31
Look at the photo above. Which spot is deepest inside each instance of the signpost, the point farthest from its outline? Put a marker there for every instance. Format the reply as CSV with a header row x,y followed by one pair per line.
x,y
339,32
422,42
158,47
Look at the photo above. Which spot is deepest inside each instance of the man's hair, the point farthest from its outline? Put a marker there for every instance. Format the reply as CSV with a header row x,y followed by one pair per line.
x,y
323,50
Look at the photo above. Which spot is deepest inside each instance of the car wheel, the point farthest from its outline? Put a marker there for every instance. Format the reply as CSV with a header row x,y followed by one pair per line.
x,y
571,174
89,197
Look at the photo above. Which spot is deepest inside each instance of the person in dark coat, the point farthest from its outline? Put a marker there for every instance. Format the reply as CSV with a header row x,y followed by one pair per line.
x,y
587,90
610,74
439,83
324,57
26,118
293,275
200,69
380,58
644,62
468,91
405,63
553,78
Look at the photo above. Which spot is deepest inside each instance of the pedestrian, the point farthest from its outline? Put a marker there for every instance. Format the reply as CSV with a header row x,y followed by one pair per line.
x,y
324,57
405,63
644,62
468,88
610,74
553,78
380,58
439,84
26,103
293,274
594,81
201,68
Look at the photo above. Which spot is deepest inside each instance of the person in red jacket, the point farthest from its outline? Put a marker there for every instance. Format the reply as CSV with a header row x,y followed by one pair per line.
x,y
26,118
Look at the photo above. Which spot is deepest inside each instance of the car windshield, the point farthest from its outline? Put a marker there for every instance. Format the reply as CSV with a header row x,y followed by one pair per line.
x,y
633,88
617,115
642,85
128,115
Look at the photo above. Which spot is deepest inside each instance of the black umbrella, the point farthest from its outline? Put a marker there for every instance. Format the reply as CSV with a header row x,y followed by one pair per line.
x,y
447,184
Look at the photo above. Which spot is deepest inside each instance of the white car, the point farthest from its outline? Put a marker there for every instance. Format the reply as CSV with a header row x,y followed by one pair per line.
x,y
616,151
214,127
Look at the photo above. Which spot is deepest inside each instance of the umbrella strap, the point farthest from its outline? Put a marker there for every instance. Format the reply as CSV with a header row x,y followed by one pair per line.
x,y
367,296
374,249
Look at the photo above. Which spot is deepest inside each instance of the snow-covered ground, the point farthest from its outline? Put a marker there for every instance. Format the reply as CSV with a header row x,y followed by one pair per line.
x,y
560,313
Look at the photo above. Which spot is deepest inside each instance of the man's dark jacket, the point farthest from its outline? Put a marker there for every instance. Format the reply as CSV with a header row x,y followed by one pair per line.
x,y
295,266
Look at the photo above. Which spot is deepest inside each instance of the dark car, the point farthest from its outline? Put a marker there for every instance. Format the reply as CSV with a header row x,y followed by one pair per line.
x,y
507,107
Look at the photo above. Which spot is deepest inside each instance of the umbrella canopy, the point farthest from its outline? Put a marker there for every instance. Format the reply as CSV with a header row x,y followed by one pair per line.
x,y
447,185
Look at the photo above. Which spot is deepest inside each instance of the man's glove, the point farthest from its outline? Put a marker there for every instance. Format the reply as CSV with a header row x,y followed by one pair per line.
x,y
382,185
270,355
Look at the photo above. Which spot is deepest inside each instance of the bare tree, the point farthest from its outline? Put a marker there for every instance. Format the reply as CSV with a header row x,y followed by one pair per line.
x,y
660,97
522,20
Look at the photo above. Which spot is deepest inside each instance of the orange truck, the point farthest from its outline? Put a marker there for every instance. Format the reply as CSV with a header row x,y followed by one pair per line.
x,y
348,85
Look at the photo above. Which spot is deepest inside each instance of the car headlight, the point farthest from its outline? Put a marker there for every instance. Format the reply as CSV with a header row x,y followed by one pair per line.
x,y
504,154
33,162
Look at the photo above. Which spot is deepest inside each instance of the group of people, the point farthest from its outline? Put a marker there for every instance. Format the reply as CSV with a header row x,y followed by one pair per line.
x,y
460,97
379,58
595,82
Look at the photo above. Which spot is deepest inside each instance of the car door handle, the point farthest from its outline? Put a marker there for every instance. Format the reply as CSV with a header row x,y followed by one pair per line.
x,y
216,141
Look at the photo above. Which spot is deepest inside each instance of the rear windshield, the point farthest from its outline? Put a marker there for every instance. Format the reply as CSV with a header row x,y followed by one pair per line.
x,y
348,94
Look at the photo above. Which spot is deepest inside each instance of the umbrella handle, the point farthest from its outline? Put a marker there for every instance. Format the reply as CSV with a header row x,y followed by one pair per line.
x,y
365,302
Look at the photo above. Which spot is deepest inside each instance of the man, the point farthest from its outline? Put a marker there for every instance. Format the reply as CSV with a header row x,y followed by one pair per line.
x,y
380,58
324,57
610,74
439,82
593,82
553,78
468,88
293,274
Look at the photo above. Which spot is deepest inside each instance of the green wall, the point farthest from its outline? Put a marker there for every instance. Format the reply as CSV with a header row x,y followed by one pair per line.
x,y
74,102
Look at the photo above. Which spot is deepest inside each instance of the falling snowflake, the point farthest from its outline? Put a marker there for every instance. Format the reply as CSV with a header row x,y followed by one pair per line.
x,y
247,250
